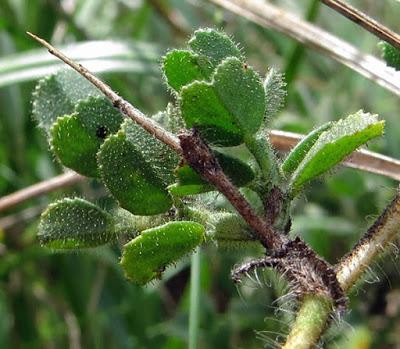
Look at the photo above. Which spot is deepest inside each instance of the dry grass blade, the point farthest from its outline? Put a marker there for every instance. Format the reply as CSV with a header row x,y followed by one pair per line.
x,y
38,189
270,16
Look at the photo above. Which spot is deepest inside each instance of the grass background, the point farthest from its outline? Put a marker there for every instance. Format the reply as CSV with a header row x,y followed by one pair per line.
x,y
82,300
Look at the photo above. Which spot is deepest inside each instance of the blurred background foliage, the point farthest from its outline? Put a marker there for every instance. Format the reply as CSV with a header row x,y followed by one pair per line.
x,y
82,300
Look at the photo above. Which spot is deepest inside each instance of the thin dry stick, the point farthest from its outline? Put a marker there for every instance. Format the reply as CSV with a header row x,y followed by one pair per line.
x,y
364,21
122,105
270,16
281,140
38,189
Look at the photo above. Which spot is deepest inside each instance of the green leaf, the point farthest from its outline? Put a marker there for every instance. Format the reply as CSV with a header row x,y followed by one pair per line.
x,y
181,68
76,139
390,54
228,108
335,144
136,168
57,94
190,183
214,45
180,190
73,146
275,92
145,257
202,108
75,223
229,229
298,153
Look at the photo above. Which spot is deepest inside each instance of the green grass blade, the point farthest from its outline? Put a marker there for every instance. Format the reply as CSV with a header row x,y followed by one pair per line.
x,y
98,56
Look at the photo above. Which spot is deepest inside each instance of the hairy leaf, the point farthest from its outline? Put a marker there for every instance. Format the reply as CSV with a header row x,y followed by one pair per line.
x,y
214,45
145,257
181,67
229,229
231,106
275,92
298,153
75,223
335,144
57,94
136,168
76,139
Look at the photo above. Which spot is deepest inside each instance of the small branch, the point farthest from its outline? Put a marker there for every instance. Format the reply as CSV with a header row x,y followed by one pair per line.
x,y
270,16
385,229
118,102
348,271
364,21
38,189
199,156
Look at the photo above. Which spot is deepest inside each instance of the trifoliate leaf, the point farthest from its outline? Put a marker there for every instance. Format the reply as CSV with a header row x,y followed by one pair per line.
x,y
181,67
145,257
275,92
390,54
75,223
214,45
136,168
298,153
335,144
231,106
76,138
57,94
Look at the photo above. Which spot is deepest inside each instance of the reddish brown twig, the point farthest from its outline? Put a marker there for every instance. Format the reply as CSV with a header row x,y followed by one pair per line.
x,y
364,21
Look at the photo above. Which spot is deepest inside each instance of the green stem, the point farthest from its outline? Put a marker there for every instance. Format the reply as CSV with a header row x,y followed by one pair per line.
x,y
194,300
311,318
262,151
314,313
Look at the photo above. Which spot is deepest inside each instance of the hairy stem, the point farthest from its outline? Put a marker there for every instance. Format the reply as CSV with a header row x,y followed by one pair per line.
x,y
312,316
262,151
348,271
199,156
375,241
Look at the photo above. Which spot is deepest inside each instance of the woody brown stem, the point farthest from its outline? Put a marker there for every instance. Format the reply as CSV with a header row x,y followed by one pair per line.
x,y
200,157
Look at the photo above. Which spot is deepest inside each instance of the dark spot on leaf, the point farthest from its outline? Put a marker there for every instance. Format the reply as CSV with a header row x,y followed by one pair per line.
x,y
102,132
